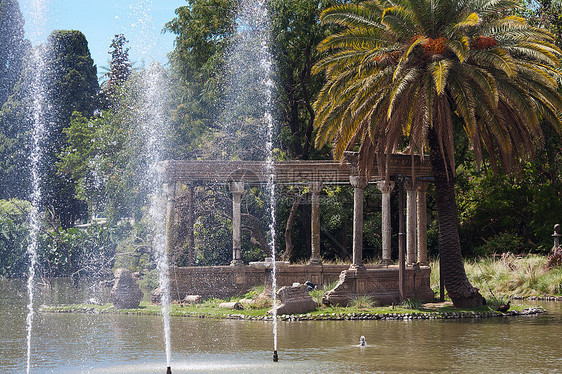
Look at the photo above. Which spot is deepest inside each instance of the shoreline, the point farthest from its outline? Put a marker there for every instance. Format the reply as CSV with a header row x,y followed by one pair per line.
x,y
312,316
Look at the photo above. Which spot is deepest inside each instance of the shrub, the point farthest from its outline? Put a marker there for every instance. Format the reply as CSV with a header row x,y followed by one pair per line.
x,y
14,233
411,303
318,293
362,302
555,259
78,252
254,292
500,243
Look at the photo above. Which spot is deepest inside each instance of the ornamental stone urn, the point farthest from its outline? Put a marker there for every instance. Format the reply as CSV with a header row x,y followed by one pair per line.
x,y
126,293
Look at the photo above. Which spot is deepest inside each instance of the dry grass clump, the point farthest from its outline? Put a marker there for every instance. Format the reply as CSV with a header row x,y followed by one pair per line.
x,y
362,302
510,275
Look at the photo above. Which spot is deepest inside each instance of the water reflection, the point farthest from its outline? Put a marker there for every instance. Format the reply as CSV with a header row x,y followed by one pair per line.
x,y
82,343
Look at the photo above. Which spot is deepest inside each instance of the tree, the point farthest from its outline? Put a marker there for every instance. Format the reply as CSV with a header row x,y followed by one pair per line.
x,y
108,154
120,66
71,86
296,30
546,14
13,47
203,29
402,71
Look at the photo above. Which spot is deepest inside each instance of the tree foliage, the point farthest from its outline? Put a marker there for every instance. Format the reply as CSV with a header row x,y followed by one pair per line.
x,y
72,86
14,234
13,47
120,66
203,29
296,31
108,156
405,69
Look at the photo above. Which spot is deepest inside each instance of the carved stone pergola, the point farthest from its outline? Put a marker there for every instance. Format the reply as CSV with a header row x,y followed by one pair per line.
x,y
316,174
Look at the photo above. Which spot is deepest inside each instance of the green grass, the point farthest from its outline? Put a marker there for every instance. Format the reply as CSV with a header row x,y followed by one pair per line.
x,y
502,277
211,309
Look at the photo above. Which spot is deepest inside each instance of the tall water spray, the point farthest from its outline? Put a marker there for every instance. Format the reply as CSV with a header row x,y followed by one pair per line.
x,y
154,127
267,64
252,69
39,133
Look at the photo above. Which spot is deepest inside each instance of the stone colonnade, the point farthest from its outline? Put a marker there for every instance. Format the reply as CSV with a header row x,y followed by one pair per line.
x,y
416,222
315,174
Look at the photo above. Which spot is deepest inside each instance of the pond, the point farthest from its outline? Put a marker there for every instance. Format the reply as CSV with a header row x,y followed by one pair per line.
x,y
83,343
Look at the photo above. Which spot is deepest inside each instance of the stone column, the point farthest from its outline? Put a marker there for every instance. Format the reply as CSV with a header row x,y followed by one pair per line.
x,y
315,189
411,222
359,183
422,223
386,230
237,189
190,236
170,191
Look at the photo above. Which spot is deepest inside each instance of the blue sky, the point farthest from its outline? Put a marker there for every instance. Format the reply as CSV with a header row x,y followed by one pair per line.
x,y
140,20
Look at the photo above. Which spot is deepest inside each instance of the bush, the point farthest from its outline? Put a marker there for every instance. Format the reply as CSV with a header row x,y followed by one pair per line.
x,y
411,303
362,302
254,292
14,233
555,259
77,252
500,243
317,294
150,281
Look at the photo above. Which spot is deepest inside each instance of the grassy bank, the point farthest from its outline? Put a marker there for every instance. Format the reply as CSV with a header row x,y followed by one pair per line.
x,y
509,276
256,307
210,309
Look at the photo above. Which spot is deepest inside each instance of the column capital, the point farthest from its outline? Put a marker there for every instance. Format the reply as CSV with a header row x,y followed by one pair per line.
x,y
315,187
422,186
410,185
358,181
385,186
237,187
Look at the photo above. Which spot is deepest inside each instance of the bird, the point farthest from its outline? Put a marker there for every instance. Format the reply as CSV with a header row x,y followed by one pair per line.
x,y
504,307
311,286
362,341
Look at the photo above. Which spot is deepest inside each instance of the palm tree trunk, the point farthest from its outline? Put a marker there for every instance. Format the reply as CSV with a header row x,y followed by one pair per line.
x,y
461,292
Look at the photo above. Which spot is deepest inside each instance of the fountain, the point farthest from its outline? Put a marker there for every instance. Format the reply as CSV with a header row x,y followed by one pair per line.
x,y
154,127
251,51
153,124
39,133
228,345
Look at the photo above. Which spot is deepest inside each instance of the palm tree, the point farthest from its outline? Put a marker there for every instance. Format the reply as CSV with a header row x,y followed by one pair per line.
x,y
407,70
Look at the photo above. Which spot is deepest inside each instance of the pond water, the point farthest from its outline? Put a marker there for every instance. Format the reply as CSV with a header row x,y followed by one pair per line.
x,y
82,343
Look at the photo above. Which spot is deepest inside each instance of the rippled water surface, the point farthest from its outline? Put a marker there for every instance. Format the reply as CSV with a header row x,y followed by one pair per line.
x,y
81,343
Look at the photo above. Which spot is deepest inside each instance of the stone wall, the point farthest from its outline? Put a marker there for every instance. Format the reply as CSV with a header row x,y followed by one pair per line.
x,y
227,281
